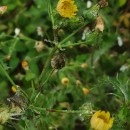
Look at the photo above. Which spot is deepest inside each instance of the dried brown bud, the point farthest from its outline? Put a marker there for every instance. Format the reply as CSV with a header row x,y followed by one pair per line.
x,y
58,61
103,3
99,24
39,45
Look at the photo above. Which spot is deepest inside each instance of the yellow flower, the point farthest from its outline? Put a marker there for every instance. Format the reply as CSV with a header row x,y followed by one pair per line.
x,y
85,91
13,89
65,81
84,65
66,8
101,121
25,65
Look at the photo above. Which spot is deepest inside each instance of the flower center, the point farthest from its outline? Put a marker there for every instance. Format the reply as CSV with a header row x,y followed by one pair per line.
x,y
66,5
103,118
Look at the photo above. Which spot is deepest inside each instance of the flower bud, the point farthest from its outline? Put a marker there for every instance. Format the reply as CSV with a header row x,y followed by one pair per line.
x,y
25,65
17,32
99,24
58,61
39,31
61,32
39,46
78,82
76,22
91,14
65,81
85,91
84,65
13,89
103,3
3,9
62,23
8,57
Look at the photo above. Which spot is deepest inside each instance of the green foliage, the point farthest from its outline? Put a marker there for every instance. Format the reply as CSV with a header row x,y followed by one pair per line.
x,y
39,49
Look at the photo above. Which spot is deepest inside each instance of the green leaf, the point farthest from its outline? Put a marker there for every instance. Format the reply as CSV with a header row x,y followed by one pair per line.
x,y
93,38
121,2
123,113
14,62
29,76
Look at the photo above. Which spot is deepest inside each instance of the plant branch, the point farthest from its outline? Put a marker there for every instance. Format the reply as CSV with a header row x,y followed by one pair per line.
x,y
6,74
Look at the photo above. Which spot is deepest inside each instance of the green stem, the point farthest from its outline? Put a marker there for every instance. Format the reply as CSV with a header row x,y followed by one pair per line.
x,y
74,44
7,75
58,111
47,63
54,49
42,84
51,14
72,34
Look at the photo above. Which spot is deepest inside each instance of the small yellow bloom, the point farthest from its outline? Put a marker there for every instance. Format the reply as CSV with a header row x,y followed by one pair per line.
x,y
84,65
78,82
65,81
85,91
101,120
25,65
8,57
66,8
13,89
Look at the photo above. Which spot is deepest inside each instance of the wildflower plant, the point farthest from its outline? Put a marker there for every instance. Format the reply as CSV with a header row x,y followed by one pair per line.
x,y
55,59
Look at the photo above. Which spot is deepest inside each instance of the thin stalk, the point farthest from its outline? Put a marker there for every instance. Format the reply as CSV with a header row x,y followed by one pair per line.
x,y
54,49
72,34
74,44
58,111
51,14
7,75
47,63
42,85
